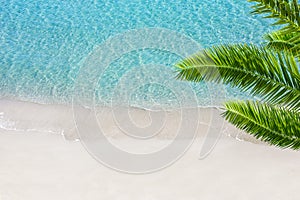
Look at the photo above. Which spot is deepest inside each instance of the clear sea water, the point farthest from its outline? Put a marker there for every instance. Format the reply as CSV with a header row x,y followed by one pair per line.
x,y
43,44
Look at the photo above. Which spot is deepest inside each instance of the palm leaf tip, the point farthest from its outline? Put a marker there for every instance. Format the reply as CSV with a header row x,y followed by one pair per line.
x,y
274,125
187,70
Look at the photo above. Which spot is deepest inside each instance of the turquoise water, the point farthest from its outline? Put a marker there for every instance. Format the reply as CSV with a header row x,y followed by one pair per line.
x,y
44,43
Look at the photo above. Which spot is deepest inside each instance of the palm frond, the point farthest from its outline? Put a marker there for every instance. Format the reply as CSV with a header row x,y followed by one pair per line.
x,y
283,42
273,76
286,12
269,123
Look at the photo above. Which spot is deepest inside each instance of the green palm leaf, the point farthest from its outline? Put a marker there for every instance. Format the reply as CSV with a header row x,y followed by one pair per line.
x,y
271,124
283,42
271,72
273,76
286,12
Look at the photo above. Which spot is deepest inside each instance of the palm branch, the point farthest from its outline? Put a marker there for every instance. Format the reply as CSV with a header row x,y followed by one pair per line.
x,y
286,12
281,42
269,123
270,72
273,76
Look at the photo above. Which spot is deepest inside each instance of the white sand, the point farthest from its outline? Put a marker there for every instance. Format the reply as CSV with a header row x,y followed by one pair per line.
x,y
44,166
40,165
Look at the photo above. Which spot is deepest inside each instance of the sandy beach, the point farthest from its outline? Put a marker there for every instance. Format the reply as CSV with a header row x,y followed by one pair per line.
x,y
43,165
39,164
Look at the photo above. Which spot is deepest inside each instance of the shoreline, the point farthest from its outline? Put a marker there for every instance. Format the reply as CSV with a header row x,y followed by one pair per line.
x,y
59,119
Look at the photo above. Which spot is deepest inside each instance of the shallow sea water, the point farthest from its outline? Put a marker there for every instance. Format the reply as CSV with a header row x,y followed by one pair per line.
x,y
43,45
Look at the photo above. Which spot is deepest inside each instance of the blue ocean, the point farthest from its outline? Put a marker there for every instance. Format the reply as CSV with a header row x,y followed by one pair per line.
x,y
45,45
